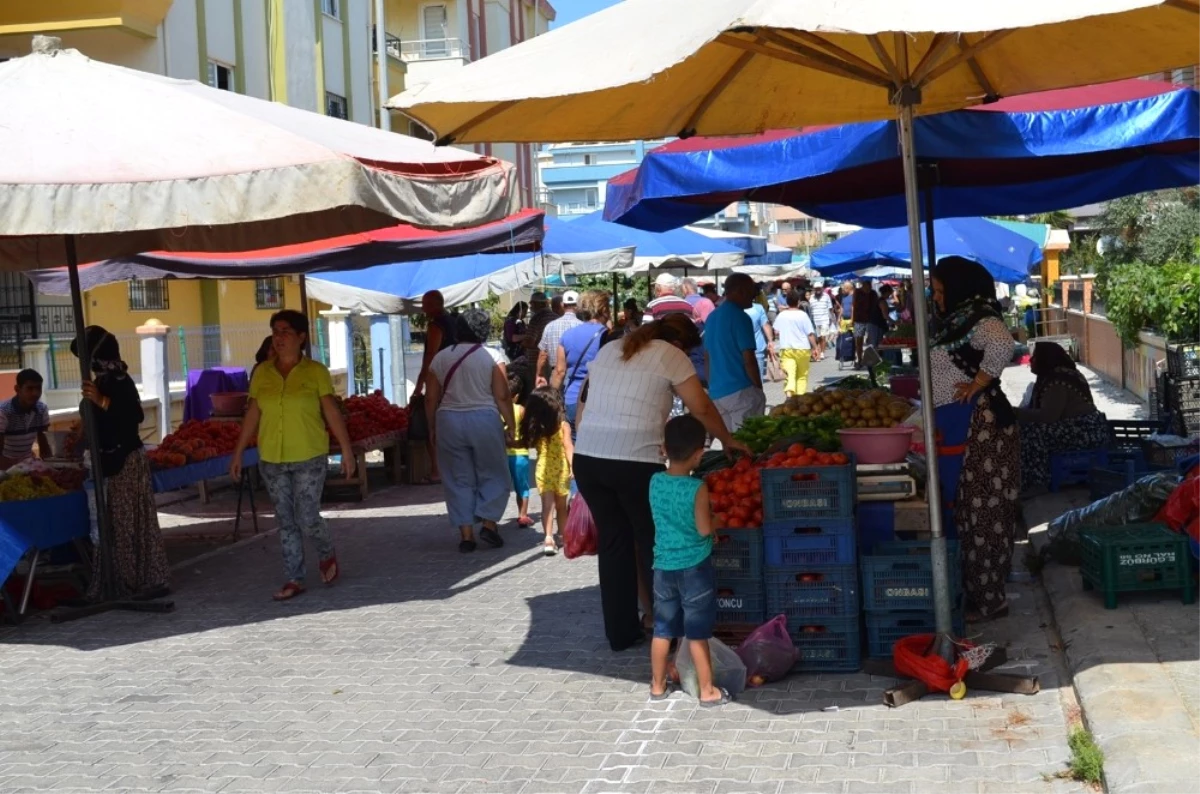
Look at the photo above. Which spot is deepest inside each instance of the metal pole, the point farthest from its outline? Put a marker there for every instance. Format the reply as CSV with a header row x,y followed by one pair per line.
x,y
91,429
381,56
933,489
304,309
930,246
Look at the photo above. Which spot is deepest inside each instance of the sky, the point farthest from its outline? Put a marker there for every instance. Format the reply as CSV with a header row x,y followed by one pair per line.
x,y
571,10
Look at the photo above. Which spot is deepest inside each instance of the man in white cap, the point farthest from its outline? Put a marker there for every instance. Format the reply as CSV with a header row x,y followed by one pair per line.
x,y
667,301
548,346
821,306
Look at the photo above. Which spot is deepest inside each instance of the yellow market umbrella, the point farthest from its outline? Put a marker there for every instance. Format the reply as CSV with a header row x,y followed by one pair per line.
x,y
655,68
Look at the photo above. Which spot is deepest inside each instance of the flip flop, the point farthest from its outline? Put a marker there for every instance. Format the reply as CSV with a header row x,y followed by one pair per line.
x,y
525,522
326,566
666,693
712,704
289,591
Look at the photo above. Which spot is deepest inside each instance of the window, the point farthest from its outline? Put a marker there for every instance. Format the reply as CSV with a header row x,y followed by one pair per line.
x,y
416,130
589,159
592,197
1184,76
332,8
148,295
220,76
433,31
268,293
335,106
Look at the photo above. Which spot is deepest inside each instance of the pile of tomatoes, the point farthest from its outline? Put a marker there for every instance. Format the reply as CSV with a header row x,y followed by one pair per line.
x,y
372,415
194,442
735,494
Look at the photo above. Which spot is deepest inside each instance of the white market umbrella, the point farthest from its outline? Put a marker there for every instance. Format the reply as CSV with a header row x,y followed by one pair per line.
x,y
735,67
127,161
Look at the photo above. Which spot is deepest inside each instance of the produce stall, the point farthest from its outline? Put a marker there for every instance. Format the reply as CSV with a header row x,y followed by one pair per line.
x,y
200,451
374,425
41,506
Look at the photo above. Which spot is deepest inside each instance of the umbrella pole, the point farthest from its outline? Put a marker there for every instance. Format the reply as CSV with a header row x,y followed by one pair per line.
x,y
930,248
91,429
304,310
933,489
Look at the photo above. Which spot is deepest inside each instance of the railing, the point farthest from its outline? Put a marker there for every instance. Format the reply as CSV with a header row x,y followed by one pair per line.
x,y
577,208
55,320
391,44
429,49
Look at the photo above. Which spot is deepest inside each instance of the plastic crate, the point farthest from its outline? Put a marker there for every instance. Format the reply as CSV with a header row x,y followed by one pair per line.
x,y
814,591
1128,433
738,554
809,492
1136,557
1108,480
814,542
740,601
876,524
1187,422
885,629
828,645
1072,467
1183,361
899,576
1159,455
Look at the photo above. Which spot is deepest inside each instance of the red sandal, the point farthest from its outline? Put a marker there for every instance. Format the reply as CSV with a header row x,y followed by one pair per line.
x,y
329,570
289,591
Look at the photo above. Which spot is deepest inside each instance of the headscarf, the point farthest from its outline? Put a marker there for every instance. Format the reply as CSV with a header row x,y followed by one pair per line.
x,y
474,326
104,351
1057,368
969,295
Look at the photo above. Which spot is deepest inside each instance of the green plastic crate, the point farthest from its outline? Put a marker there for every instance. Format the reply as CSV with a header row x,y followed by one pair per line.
x,y
1135,558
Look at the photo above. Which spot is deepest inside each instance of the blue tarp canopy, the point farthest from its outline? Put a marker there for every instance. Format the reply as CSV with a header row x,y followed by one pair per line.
x,y
673,248
567,248
1031,153
1008,256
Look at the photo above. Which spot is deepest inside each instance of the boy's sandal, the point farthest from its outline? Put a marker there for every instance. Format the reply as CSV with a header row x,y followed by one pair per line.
x,y
289,591
666,693
329,570
712,704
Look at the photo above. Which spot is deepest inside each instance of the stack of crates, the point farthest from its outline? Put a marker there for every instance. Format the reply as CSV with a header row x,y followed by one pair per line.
x,y
897,592
737,558
810,557
1183,389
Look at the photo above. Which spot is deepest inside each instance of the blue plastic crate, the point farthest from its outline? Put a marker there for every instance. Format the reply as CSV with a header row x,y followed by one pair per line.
x,y
829,591
738,554
740,601
814,541
899,576
828,645
809,492
876,524
1073,467
1107,480
884,629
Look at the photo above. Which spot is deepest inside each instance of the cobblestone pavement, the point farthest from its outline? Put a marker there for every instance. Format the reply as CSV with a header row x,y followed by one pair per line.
x,y
425,670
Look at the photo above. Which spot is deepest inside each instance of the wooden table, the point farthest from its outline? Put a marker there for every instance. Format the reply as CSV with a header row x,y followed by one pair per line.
x,y
388,443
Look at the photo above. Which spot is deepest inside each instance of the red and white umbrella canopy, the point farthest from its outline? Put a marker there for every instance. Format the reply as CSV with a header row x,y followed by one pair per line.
x,y
127,161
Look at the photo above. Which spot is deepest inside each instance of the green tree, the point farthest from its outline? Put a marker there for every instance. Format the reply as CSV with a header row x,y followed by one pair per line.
x,y
1056,219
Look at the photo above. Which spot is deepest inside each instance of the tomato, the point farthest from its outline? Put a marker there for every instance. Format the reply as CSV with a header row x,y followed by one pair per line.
x,y
795,449
840,459
757,518
741,490
742,465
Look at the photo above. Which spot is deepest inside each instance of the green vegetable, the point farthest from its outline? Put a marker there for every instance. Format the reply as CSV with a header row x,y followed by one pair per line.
x,y
761,432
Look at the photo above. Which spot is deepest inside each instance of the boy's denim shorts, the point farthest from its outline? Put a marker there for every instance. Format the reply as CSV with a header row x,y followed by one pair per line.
x,y
685,602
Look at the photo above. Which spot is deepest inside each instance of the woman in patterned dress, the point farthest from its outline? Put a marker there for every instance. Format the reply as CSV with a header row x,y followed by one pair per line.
x,y
970,351
139,560
1061,414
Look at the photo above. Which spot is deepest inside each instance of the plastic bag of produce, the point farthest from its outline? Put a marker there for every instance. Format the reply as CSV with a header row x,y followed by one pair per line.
x,y
1136,504
768,652
579,535
729,672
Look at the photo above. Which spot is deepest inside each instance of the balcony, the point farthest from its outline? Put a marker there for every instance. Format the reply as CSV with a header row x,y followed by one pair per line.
x,y
432,50
396,68
390,43
577,208
140,18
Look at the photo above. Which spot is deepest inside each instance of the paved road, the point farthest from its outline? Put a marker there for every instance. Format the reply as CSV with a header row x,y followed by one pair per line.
x,y
428,671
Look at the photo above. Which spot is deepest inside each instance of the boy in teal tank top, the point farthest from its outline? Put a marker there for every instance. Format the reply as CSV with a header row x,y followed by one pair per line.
x,y
685,592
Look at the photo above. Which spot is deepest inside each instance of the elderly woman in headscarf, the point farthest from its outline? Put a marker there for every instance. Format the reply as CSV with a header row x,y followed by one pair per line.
x,y
139,563
1061,415
468,408
967,356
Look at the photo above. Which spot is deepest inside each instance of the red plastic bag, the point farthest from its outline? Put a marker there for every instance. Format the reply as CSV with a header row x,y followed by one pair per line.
x,y
1183,505
915,657
579,536
768,652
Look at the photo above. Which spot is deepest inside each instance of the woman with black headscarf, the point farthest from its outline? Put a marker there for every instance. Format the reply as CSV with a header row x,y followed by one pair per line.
x,y
1061,414
139,566
967,357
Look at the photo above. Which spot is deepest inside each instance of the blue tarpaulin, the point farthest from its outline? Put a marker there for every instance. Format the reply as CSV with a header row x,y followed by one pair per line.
x,y
1032,153
1008,256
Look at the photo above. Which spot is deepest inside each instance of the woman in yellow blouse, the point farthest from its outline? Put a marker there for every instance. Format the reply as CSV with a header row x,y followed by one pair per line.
x,y
291,401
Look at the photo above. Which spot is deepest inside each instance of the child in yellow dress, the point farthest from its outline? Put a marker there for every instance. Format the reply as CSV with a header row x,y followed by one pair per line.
x,y
544,427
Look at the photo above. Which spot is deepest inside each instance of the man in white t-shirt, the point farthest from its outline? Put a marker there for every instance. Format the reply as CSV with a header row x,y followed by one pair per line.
x,y
797,340
821,306
547,357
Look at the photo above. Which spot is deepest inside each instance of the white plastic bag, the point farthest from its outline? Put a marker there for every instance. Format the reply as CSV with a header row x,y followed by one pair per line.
x,y
729,672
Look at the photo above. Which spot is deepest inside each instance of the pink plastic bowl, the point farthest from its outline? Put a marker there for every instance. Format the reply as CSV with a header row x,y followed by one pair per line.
x,y
877,444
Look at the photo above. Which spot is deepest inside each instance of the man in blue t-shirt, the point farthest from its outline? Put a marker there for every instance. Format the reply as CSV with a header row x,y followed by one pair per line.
x,y
734,380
